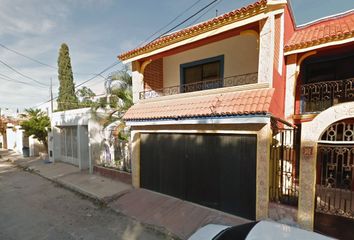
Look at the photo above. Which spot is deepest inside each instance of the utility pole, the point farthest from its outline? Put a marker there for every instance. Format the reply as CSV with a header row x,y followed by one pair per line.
x,y
51,97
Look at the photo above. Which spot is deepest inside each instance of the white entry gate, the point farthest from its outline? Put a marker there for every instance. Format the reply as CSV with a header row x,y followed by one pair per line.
x,y
69,145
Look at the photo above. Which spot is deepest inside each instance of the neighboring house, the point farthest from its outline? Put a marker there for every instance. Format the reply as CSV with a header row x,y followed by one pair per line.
x,y
221,115
17,141
75,138
78,138
319,100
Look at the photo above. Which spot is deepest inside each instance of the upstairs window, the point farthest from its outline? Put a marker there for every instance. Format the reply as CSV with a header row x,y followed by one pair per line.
x,y
203,74
329,69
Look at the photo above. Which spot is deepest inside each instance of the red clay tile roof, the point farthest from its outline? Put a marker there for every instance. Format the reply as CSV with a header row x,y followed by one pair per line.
x,y
248,102
326,30
214,23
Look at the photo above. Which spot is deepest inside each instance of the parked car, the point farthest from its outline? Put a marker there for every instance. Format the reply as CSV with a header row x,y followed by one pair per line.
x,y
264,230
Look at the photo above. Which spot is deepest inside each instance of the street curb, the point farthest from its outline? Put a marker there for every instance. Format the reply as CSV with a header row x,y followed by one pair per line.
x,y
96,200
152,227
104,203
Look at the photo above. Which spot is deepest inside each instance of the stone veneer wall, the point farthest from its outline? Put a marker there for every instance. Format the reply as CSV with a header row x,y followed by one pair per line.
x,y
310,134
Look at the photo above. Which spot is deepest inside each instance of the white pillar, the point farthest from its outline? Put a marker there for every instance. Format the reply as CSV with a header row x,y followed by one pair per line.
x,y
138,85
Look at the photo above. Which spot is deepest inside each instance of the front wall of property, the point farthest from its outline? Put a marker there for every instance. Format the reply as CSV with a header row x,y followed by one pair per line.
x,y
240,57
262,131
311,132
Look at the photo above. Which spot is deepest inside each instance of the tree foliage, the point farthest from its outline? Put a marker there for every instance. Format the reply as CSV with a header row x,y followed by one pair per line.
x,y
2,126
85,96
67,98
119,89
36,124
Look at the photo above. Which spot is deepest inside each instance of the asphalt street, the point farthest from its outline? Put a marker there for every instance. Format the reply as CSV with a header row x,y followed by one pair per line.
x,y
32,207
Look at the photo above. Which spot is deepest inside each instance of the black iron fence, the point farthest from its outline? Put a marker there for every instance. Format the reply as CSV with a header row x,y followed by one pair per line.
x,y
237,80
284,167
316,97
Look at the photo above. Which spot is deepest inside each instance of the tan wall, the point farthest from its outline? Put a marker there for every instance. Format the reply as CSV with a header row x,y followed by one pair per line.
x,y
262,131
240,57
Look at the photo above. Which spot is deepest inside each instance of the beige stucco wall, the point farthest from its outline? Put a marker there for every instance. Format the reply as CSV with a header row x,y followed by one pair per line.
x,y
240,57
262,131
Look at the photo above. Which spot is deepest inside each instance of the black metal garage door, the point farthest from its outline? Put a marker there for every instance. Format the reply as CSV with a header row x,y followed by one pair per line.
x,y
214,170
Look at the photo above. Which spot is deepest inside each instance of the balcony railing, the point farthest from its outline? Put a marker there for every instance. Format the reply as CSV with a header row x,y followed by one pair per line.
x,y
316,97
243,79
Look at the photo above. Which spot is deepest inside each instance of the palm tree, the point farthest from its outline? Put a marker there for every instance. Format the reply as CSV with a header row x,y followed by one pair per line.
x,y
119,99
110,110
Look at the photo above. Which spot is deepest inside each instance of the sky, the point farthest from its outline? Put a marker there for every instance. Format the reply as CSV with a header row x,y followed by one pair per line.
x,y
96,31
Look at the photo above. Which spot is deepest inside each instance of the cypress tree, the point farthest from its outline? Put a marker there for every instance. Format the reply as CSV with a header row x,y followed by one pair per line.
x,y
67,98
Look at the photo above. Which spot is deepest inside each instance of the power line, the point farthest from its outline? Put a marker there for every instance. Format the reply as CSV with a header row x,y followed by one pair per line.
x,y
171,29
205,13
23,75
84,82
168,24
37,61
5,78
25,56
186,20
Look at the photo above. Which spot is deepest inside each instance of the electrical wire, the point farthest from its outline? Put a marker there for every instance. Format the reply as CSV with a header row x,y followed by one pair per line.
x,y
186,20
196,20
171,29
23,75
84,82
168,24
37,61
16,81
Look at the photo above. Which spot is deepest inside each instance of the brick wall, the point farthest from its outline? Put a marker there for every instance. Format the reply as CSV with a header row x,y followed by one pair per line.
x,y
153,75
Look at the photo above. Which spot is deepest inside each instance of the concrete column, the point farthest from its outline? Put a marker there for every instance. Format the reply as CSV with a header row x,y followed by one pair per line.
x,y
80,148
266,51
51,145
138,81
264,138
56,144
290,87
307,177
135,158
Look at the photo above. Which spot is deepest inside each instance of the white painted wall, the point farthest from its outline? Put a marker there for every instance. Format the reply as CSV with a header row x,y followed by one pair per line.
x,y
240,57
89,136
14,138
35,147
11,138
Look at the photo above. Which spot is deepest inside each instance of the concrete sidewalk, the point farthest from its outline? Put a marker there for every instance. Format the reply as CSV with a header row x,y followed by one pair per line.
x,y
173,216
69,176
179,217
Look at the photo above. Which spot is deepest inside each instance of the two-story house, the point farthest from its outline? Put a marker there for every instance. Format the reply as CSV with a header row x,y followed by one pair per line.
x,y
319,101
225,114
204,102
